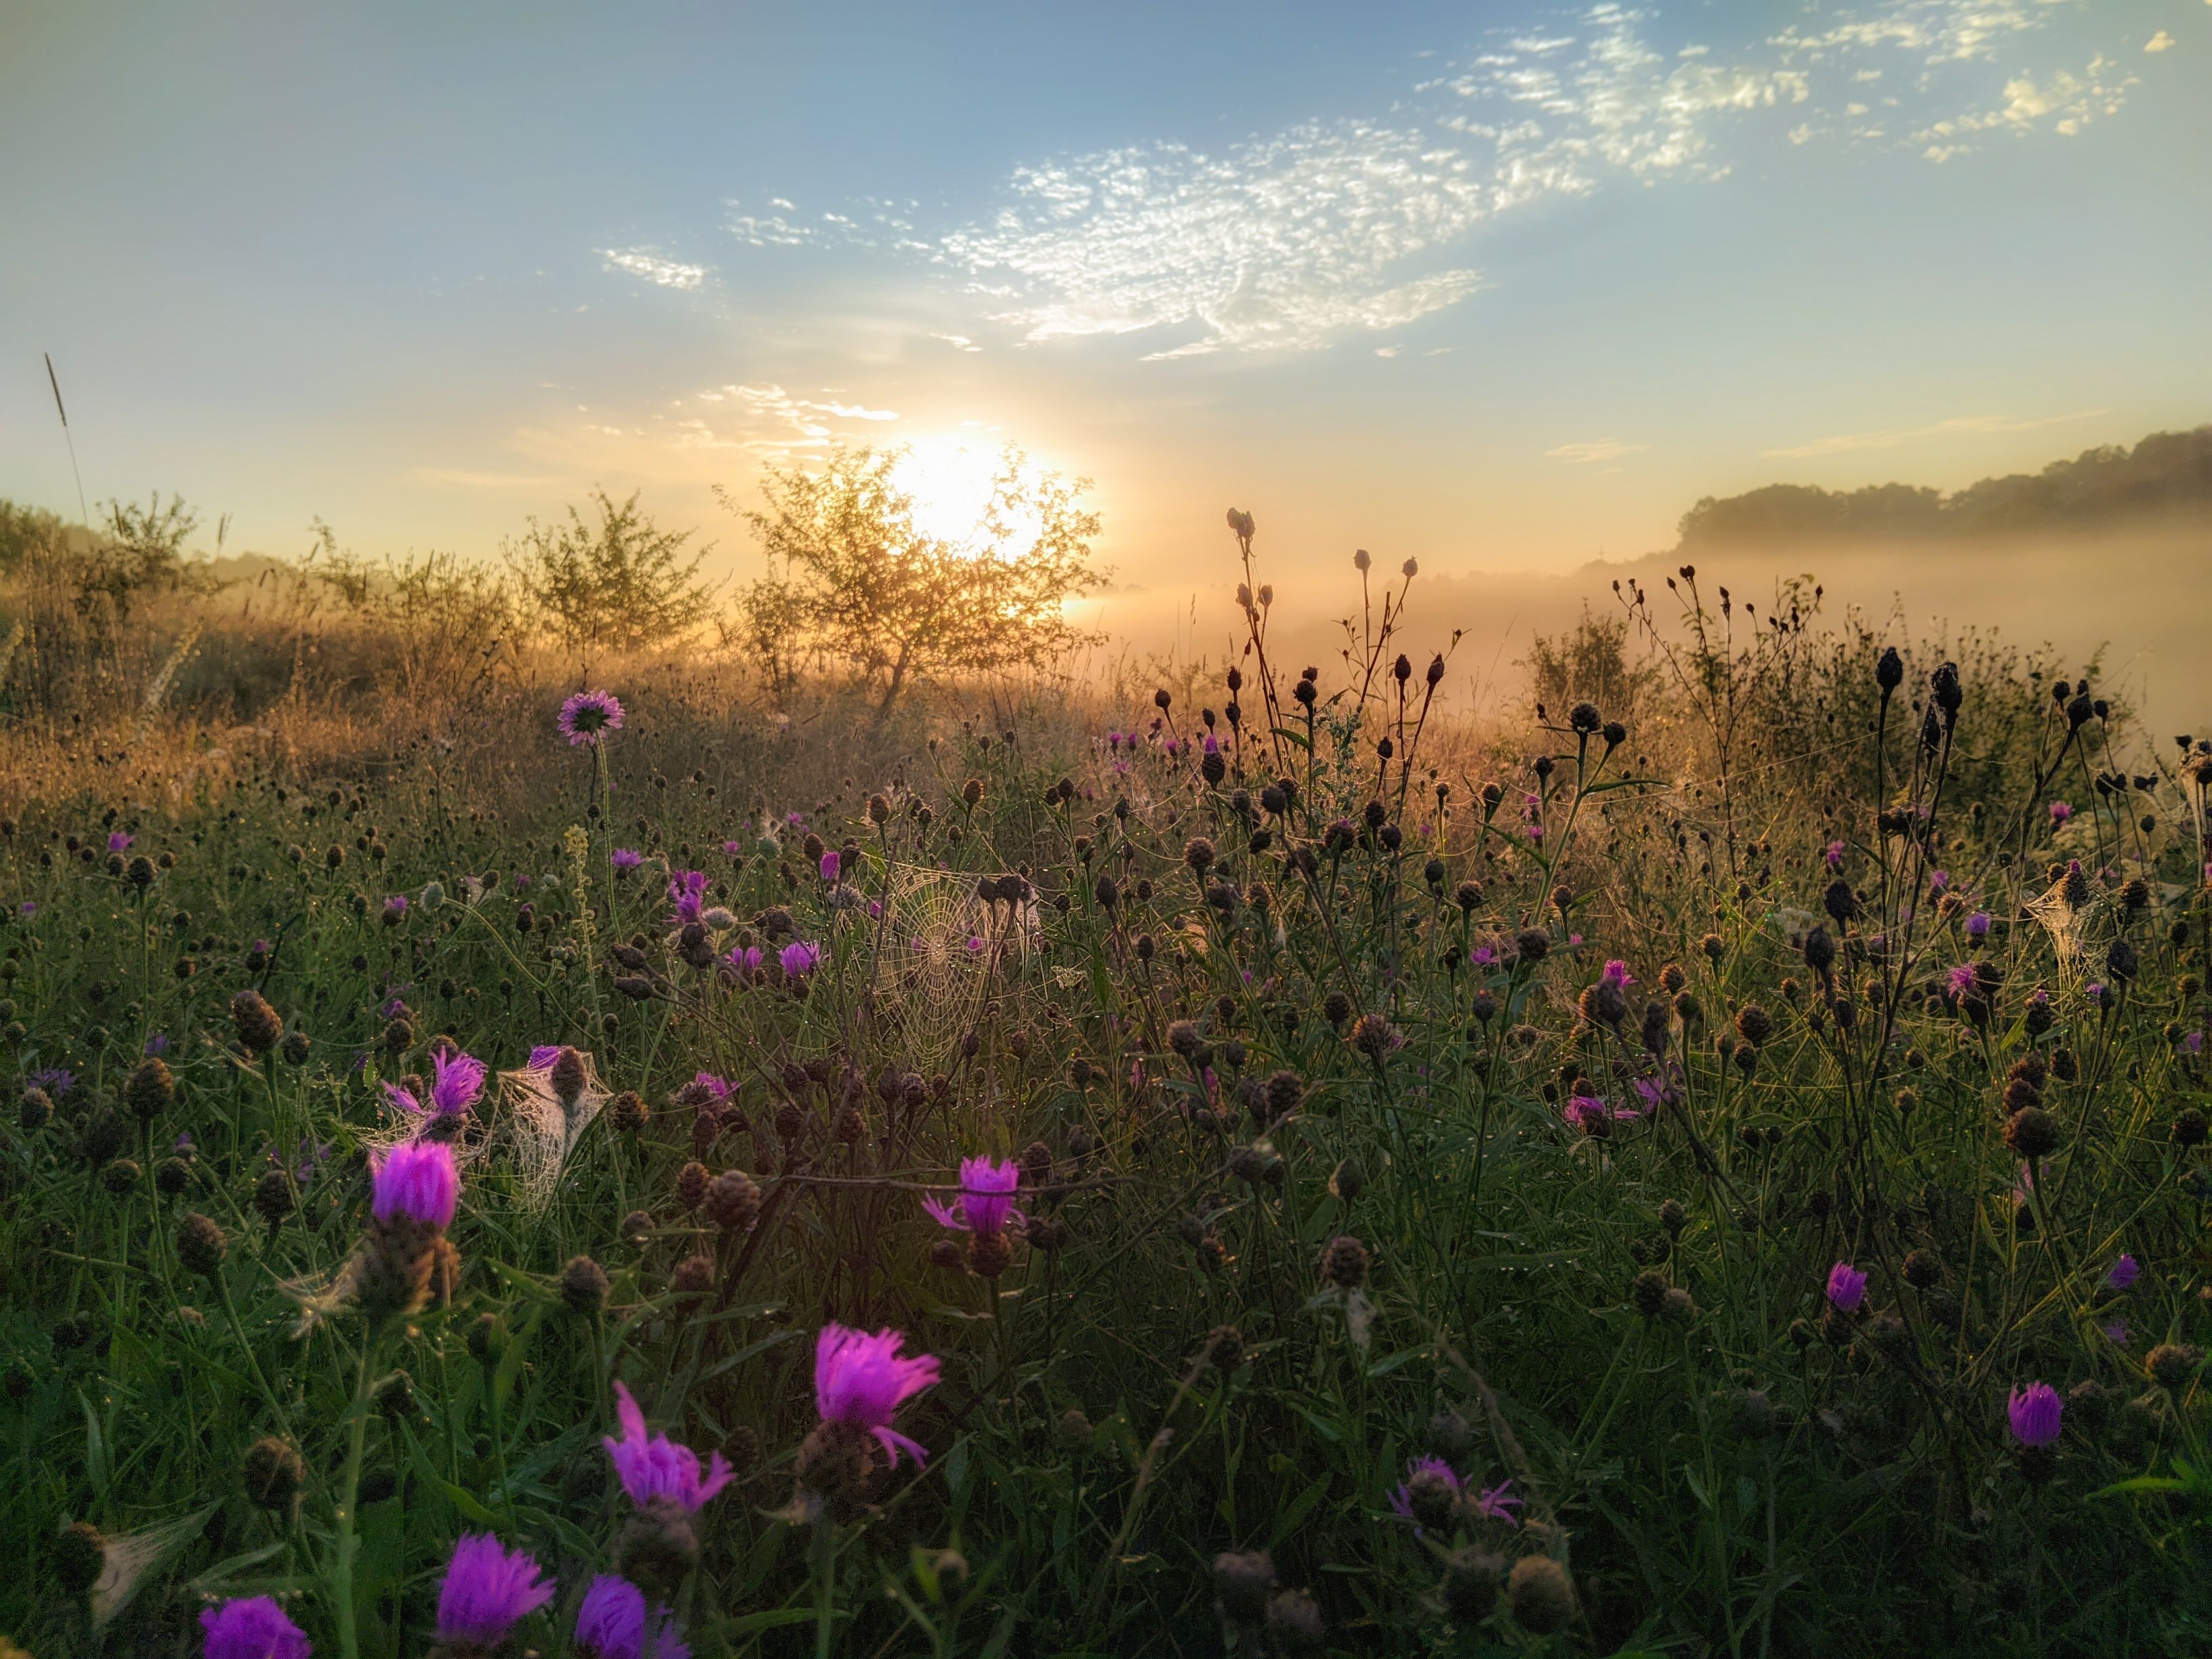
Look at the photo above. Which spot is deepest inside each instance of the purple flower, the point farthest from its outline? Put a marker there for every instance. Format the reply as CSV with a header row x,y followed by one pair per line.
x,y
1499,1502
2060,811
418,1179
833,865
735,850
1617,975
30,906
1960,980
542,1055
715,1086
745,959
2117,1332
588,714
1402,1501
458,1079
487,1589
2035,1411
985,1203
654,1465
1846,1288
1835,855
252,1627
860,1379
118,842
687,892
1978,925
1937,881
157,1044
56,1080
625,858
610,1625
395,908
799,958
2125,1272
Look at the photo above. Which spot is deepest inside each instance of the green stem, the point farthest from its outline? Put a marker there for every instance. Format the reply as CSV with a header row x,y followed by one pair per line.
x,y
348,1495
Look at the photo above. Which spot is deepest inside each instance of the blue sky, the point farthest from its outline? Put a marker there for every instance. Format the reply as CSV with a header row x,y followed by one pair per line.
x,y
1498,286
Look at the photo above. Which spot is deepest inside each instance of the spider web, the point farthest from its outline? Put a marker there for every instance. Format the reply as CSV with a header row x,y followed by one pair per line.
x,y
543,1131
931,981
2075,929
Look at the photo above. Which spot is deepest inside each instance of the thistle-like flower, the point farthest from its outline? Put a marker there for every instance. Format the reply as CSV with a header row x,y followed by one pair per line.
x,y
2035,1412
611,1624
487,1589
588,716
861,1380
985,1203
652,1467
416,1182
799,959
1846,1288
252,1627
456,1081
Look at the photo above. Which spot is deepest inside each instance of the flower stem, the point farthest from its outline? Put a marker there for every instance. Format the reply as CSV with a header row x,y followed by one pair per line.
x,y
348,1495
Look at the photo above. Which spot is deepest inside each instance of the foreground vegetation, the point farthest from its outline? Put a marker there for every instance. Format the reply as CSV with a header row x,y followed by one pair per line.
x,y
1719,1170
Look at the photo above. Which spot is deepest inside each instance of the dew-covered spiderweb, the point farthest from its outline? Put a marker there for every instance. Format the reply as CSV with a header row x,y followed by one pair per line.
x,y
542,1130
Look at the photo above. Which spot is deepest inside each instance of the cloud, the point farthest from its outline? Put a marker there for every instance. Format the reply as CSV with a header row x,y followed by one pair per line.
x,y
2159,42
648,263
773,420
1293,240
1602,449
1963,423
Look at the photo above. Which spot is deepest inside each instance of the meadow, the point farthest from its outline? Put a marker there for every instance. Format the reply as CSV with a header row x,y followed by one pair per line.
x,y
1262,1166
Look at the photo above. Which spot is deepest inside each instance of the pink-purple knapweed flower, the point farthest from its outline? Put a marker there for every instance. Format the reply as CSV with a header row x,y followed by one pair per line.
x,y
588,714
687,892
746,960
625,858
2035,1412
799,958
118,842
2124,1272
1835,855
416,1180
1846,1288
252,1627
1978,925
2060,811
395,908
861,1379
544,1055
833,865
611,1624
985,1203
488,1588
652,1466
1497,1502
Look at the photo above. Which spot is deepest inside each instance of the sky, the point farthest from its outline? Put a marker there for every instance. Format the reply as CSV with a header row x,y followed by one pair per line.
x,y
1501,286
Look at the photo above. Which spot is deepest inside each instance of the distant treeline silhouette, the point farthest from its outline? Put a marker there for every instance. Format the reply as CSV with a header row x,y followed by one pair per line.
x,y
2168,472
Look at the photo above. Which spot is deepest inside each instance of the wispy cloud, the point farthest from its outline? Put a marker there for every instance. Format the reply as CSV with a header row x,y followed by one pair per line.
x,y
768,418
1331,228
1958,424
1601,449
648,263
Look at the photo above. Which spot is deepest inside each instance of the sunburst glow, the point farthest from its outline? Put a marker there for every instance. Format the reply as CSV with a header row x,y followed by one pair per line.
x,y
952,483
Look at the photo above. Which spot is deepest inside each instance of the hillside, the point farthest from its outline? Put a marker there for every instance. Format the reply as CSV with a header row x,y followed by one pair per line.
x,y
2168,473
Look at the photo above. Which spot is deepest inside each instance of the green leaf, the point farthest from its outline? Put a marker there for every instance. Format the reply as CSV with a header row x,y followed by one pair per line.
x,y
1289,736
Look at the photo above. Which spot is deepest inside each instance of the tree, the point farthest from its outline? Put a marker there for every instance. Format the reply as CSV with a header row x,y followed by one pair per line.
x,y
853,575
621,584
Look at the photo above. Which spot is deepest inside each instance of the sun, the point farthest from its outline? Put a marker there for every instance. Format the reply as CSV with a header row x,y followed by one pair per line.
x,y
951,482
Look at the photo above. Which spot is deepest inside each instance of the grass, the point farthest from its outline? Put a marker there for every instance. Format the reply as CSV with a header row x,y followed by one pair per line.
x,y
1225,1029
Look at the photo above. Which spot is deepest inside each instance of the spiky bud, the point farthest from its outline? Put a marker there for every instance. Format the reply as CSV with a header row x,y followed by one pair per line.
x,y
584,1284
